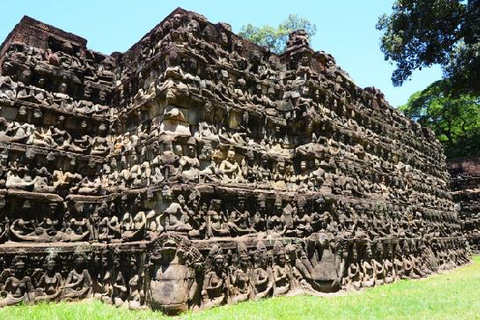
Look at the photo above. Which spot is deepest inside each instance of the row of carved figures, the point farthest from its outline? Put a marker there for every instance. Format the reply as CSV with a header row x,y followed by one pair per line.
x,y
183,166
220,276
350,120
270,66
87,277
127,219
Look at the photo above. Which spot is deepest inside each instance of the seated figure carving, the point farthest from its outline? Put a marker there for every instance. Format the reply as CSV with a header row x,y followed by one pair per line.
x,y
49,288
214,291
230,169
18,286
263,280
241,277
78,284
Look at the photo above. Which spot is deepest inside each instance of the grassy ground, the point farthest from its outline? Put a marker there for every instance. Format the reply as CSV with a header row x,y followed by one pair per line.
x,y
452,295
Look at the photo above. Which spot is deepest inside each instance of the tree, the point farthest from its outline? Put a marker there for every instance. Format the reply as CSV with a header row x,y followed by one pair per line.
x,y
276,38
420,33
455,119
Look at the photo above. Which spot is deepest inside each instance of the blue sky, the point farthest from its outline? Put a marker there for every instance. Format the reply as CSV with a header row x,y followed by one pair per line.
x,y
345,29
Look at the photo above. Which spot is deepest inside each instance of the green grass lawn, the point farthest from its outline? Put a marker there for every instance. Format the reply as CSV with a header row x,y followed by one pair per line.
x,y
452,295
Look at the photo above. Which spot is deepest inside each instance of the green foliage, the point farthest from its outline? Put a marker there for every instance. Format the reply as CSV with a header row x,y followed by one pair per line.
x,y
420,33
454,118
276,38
452,295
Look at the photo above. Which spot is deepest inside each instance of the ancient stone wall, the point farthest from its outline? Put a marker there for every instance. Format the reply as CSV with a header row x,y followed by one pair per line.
x,y
465,184
198,169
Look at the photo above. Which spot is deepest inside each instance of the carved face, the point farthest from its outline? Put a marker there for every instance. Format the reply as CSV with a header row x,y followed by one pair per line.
x,y
265,161
278,208
224,38
181,200
368,252
133,265
244,261
218,262
191,151
193,27
241,205
79,260
261,260
300,210
63,87
193,203
281,167
304,91
303,166
19,268
281,259
178,150
51,265
239,46
177,20
26,76
230,155
169,248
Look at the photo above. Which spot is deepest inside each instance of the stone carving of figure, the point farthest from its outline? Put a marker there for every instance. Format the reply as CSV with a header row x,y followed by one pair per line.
x,y
279,176
78,284
303,177
258,220
176,217
216,224
76,227
230,169
19,179
134,228
49,288
136,295
4,222
276,225
18,286
262,275
240,276
263,172
8,90
173,285
215,285
301,220
197,216
390,275
320,264
108,225
367,268
238,221
353,279
102,284
316,177
282,272
119,287
153,225
378,266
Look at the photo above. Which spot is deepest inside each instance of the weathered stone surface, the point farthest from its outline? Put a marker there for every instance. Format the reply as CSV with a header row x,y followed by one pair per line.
x,y
198,169
465,184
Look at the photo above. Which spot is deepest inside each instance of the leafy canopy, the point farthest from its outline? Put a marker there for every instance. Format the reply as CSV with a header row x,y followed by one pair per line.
x,y
420,33
454,118
276,38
